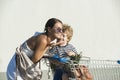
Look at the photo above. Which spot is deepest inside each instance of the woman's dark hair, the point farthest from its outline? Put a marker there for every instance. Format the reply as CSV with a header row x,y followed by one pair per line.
x,y
50,23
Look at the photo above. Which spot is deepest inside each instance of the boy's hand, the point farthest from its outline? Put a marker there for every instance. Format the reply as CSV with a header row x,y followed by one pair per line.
x,y
52,44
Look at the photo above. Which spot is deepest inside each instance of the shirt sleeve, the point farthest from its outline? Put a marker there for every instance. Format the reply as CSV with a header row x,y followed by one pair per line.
x,y
70,47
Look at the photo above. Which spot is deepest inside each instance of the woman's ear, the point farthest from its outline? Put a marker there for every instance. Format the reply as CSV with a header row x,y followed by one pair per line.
x,y
49,29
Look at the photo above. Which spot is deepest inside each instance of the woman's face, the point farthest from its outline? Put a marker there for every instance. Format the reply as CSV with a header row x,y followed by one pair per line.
x,y
57,30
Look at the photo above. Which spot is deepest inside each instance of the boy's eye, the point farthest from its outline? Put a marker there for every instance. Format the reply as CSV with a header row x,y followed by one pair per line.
x,y
64,35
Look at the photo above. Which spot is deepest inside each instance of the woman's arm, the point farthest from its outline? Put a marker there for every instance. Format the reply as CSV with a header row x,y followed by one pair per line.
x,y
40,49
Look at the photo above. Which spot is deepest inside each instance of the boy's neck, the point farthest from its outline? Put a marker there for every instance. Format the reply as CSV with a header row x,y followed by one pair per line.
x,y
63,44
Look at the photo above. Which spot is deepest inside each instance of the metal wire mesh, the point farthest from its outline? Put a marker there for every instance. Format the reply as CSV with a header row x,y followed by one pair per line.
x,y
101,69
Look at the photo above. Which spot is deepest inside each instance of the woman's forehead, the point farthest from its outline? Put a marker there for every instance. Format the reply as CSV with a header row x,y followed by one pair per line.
x,y
58,25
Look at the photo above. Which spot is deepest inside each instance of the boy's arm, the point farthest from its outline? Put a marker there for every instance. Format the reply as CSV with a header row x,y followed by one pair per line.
x,y
71,50
70,53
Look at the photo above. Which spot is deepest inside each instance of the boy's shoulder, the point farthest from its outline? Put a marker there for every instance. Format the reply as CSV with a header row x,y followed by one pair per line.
x,y
69,44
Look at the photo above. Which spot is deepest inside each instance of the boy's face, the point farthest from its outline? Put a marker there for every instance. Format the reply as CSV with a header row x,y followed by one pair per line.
x,y
65,37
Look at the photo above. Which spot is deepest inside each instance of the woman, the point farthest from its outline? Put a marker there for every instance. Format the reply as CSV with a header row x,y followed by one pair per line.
x,y
36,46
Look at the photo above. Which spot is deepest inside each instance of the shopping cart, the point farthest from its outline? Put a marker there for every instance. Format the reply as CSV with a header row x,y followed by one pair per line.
x,y
99,69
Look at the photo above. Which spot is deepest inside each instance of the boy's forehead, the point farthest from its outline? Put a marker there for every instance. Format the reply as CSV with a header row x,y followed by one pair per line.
x,y
66,32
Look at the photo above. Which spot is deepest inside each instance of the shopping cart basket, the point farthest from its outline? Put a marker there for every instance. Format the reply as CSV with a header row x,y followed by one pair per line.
x,y
99,69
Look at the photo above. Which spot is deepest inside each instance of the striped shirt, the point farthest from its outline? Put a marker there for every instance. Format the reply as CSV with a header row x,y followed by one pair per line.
x,y
63,50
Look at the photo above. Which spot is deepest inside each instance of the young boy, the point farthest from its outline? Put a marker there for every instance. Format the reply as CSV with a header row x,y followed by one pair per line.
x,y
61,53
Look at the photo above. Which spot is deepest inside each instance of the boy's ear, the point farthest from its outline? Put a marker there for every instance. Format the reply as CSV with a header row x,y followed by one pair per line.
x,y
68,40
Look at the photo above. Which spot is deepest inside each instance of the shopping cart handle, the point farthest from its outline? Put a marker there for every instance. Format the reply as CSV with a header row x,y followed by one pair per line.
x,y
118,61
64,60
60,59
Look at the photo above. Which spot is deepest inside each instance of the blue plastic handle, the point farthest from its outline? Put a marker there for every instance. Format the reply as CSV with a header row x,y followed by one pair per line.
x,y
60,59
118,61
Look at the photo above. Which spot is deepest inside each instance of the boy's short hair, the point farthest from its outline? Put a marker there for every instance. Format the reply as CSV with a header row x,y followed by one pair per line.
x,y
68,30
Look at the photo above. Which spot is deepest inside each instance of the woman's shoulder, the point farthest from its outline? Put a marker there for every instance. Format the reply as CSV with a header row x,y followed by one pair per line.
x,y
42,37
40,34
37,33
37,38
